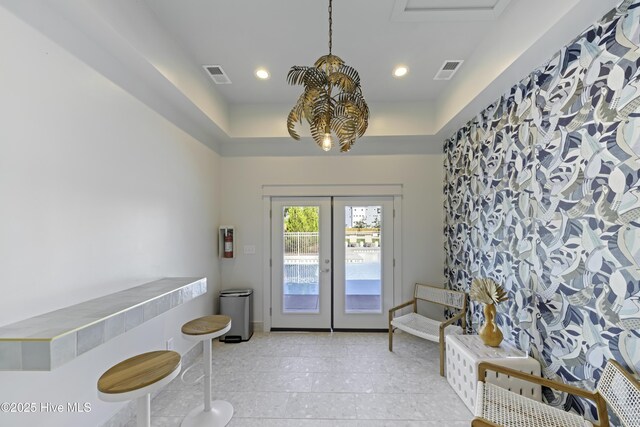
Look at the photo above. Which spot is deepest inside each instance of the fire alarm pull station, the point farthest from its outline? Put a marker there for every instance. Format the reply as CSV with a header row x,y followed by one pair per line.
x,y
226,242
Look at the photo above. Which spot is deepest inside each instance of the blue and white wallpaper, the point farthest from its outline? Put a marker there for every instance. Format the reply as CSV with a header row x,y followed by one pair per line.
x,y
542,194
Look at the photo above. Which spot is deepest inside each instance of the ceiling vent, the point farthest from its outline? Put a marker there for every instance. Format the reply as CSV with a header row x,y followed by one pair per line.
x,y
447,10
217,74
448,69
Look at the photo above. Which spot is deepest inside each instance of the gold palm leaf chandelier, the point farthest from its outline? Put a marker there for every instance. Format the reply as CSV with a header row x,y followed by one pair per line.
x,y
332,100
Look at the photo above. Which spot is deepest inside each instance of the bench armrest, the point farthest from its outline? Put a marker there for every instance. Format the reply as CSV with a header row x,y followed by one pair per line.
x,y
398,307
452,320
483,367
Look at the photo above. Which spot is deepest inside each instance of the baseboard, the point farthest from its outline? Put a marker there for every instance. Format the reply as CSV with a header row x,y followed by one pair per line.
x,y
124,415
258,326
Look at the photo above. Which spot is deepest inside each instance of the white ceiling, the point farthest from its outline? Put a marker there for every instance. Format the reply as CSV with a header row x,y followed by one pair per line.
x,y
242,35
155,50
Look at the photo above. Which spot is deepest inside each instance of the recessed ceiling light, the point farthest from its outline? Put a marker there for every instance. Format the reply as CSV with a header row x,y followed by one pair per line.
x,y
400,71
262,74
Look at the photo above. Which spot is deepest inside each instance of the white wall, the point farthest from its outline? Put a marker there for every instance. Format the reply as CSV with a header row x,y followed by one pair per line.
x,y
98,193
422,208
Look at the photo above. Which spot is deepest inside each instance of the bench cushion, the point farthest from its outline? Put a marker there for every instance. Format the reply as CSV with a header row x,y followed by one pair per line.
x,y
423,327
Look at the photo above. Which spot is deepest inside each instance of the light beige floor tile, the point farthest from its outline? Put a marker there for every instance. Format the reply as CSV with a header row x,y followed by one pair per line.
x,y
322,380
321,405
177,403
307,364
342,382
257,404
258,422
406,406
323,350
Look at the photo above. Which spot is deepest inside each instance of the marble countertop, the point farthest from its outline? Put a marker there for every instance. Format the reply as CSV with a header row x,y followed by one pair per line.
x,y
47,341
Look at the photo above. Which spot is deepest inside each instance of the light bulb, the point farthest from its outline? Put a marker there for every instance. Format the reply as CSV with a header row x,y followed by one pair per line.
x,y
400,71
327,142
262,74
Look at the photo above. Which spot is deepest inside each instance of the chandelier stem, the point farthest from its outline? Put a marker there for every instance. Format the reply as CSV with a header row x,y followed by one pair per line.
x,y
328,71
328,126
330,25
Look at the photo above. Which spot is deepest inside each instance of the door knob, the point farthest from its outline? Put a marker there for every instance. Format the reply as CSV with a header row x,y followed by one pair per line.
x,y
326,270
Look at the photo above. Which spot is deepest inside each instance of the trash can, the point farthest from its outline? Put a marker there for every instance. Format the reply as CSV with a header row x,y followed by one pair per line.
x,y
237,304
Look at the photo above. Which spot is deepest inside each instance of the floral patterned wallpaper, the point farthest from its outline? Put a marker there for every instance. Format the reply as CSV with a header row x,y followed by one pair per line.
x,y
542,194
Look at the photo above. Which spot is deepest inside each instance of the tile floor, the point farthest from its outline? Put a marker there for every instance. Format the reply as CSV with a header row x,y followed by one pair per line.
x,y
322,380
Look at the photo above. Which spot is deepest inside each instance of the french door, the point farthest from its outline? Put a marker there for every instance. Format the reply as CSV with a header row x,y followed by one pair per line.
x,y
301,263
331,263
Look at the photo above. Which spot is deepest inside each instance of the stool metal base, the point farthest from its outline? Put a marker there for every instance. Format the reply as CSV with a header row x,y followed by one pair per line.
x,y
215,413
143,417
219,416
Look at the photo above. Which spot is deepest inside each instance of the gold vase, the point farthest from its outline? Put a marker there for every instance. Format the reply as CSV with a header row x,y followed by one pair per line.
x,y
489,333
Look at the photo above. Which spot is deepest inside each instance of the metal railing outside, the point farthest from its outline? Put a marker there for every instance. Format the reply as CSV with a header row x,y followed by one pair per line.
x,y
301,243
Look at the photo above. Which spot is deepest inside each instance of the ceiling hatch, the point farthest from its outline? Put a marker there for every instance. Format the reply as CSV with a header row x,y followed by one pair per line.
x,y
217,74
447,10
448,69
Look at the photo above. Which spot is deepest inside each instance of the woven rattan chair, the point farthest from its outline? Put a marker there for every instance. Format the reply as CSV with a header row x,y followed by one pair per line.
x,y
496,406
424,327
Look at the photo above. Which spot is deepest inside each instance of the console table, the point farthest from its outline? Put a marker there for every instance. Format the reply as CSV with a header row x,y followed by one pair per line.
x,y
465,352
44,342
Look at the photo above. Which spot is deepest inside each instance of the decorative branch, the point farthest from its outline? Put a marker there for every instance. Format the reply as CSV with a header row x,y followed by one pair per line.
x,y
487,291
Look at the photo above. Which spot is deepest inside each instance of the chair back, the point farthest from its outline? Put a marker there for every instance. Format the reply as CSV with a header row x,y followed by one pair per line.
x,y
441,296
621,392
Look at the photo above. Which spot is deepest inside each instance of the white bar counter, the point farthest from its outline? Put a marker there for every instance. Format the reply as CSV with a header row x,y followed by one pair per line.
x,y
44,342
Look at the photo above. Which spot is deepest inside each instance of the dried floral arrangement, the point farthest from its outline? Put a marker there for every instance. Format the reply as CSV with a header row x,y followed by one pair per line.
x,y
487,291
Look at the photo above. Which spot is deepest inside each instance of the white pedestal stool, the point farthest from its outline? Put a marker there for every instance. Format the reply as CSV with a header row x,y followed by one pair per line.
x,y
137,377
217,413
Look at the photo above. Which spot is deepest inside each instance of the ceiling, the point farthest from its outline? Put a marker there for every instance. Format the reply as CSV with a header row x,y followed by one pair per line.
x,y
155,50
242,35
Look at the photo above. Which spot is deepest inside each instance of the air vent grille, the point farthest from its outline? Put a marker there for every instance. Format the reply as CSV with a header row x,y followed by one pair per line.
x,y
448,69
450,65
217,74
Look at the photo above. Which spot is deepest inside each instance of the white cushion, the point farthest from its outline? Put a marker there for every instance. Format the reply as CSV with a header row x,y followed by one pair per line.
x,y
423,327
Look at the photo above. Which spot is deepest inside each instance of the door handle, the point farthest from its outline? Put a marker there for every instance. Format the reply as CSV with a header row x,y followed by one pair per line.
x,y
326,270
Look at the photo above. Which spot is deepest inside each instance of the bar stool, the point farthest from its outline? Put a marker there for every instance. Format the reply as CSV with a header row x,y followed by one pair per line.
x,y
217,413
137,377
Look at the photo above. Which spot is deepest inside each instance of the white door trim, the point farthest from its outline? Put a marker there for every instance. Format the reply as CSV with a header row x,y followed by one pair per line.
x,y
355,190
266,263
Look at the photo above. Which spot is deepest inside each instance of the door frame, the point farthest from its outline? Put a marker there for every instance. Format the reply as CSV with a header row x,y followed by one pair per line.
x,y
354,190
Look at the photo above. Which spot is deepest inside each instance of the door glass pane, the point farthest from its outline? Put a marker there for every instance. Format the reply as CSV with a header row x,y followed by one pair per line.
x,y
363,266
301,284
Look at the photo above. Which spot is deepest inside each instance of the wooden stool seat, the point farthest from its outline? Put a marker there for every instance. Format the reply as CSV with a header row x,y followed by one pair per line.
x,y
138,372
137,377
206,325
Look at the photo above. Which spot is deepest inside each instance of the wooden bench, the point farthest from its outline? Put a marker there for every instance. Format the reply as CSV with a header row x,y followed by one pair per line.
x,y
497,406
425,327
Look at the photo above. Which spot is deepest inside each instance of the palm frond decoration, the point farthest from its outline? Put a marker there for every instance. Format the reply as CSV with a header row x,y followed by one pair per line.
x,y
487,291
329,60
332,101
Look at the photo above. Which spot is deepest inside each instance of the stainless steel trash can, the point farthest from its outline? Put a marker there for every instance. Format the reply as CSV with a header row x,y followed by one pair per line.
x,y
237,304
